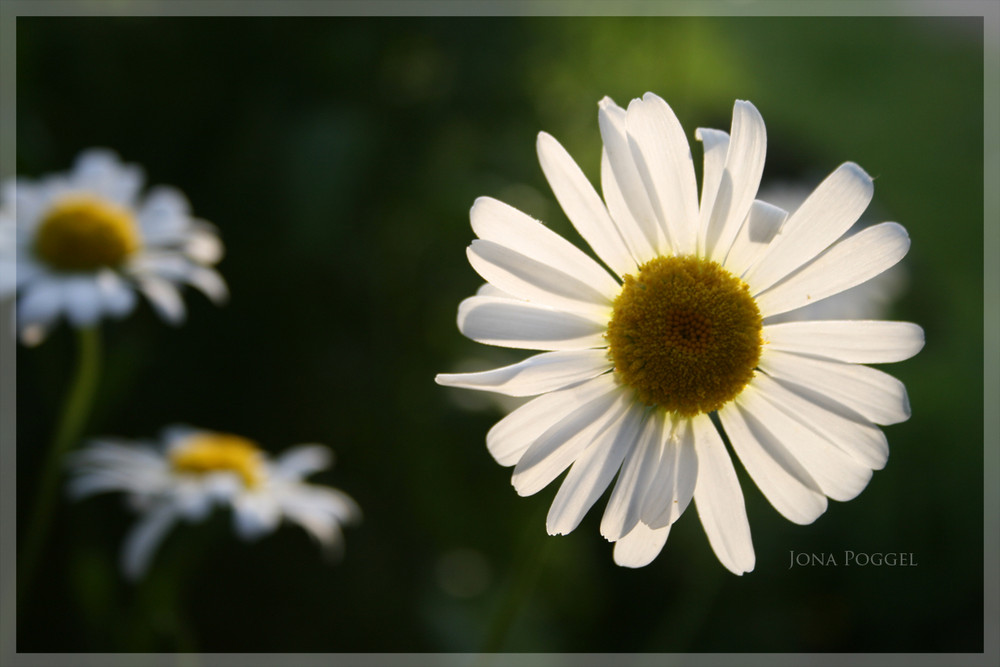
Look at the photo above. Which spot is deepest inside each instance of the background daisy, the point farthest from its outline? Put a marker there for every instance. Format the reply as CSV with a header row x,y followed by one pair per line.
x,y
194,471
88,239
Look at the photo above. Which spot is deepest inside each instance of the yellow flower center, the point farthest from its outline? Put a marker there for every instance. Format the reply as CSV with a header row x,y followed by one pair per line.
x,y
685,334
83,233
216,452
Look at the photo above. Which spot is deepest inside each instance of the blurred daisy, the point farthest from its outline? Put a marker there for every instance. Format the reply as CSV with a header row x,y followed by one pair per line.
x,y
86,240
193,471
637,360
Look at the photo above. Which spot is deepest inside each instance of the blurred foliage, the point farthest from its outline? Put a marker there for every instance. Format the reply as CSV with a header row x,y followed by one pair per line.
x,y
339,158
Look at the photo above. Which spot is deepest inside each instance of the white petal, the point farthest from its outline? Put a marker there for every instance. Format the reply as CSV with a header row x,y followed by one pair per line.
x,y
582,205
511,436
26,271
319,510
719,500
874,395
663,157
117,296
316,499
142,541
640,546
740,180
830,210
548,456
209,283
535,281
169,200
88,480
167,264
870,300
541,373
640,248
113,465
854,341
195,496
492,290
175,267
506,323
848,263
715,144
781,478
839,475
82,301
495,221
672,485
626,226
174,435
255,514
203,246
163,295
758,230
101,170
164,216
846,430
623,511
26,201
92,482
624,191
590,476
301,461
40,304
323,528
117,453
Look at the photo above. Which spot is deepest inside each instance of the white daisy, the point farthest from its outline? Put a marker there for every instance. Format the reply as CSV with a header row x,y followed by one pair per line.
x,y
637,359
86,240
194,470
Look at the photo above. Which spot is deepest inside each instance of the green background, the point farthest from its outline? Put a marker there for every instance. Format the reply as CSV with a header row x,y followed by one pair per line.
x,y
339,158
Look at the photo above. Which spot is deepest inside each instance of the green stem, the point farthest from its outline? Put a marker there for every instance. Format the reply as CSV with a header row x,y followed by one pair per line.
x,y
74,417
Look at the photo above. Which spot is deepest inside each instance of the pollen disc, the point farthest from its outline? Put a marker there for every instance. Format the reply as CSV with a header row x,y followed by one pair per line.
x,y
685,334
83,233
216,452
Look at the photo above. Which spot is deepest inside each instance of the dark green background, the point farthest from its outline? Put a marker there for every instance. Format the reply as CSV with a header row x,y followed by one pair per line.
x,y
339,158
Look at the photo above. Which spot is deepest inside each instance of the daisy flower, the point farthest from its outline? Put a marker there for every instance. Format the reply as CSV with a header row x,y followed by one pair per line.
x,y
193,471
85,241
644,367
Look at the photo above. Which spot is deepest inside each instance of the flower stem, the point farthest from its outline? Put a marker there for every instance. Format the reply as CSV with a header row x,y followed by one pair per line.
x,y
75,411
